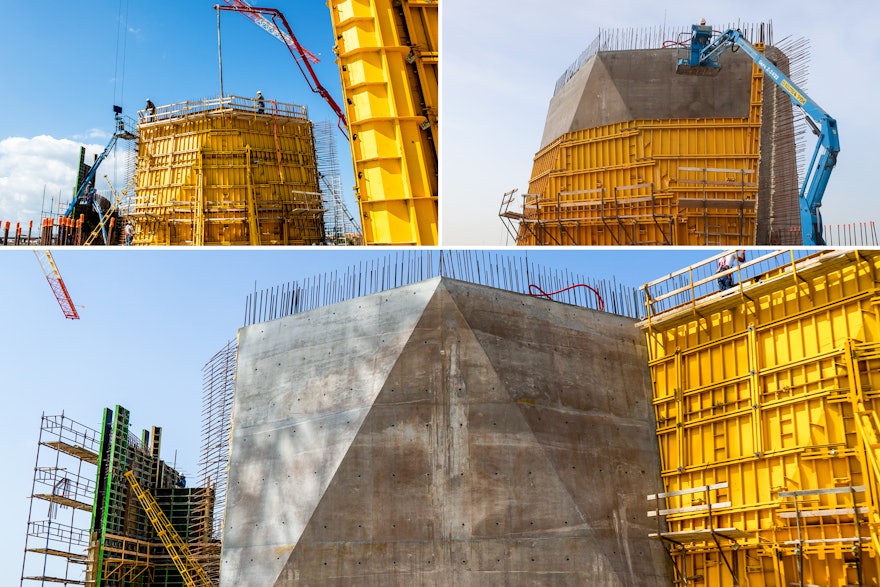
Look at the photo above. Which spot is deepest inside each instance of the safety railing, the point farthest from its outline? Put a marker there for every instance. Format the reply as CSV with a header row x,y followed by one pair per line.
x,y
237,103
58,532
70,432
696,282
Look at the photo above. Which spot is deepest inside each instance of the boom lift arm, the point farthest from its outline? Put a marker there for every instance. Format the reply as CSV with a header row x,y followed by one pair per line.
x,y
82,194
704,53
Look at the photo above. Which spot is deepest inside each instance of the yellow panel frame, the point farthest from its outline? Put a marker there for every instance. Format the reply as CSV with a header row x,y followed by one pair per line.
x,y
773,387
649,182
388,60
220,172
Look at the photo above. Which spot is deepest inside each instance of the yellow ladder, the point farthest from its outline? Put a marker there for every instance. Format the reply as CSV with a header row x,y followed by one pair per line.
x,y
192,572
104,220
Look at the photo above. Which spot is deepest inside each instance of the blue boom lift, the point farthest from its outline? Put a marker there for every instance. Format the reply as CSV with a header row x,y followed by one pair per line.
x,y
85,195
703,60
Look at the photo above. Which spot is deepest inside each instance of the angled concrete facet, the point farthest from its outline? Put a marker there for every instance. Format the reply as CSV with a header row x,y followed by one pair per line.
x,y
618,86
443,433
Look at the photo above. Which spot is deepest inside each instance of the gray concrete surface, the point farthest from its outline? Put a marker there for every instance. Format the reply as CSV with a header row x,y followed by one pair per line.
x,y
442,433
617,86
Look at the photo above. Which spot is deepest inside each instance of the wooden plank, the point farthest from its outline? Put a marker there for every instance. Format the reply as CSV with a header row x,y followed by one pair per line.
x,y
824,540
716,170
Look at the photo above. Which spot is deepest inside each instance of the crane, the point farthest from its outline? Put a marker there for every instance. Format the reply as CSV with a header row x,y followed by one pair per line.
x,y
53,276
703,60
300,55
85,194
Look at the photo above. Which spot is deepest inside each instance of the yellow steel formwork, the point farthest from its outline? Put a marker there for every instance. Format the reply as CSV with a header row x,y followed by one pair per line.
x,y
771,388
648,182
227,172
388,60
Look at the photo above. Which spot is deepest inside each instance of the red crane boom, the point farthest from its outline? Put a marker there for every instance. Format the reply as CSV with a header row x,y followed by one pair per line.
x,y
50,270
299,53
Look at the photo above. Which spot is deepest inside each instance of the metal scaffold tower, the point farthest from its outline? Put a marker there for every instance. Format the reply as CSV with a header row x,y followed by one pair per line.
x,y
60,503
340,226
218,385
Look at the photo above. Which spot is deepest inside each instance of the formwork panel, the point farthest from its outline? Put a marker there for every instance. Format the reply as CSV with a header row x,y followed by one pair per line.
x,y
701,178
771,389
387,53
220,172
701,173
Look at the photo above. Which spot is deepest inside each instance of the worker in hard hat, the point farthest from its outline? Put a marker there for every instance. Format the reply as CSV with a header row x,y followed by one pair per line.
x,y
129,233
727,262
150,109
261,104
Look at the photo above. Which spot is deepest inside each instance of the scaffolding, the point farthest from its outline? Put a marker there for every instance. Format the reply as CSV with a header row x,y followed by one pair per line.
x,y
218,385
107,539
339,225
63,488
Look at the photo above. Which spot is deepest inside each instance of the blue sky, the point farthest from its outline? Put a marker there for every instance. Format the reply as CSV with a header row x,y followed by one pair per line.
x,y
150,320
500,66
64,65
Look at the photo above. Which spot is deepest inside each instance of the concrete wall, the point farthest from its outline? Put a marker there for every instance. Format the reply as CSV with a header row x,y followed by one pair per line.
x,y
616,86
442,433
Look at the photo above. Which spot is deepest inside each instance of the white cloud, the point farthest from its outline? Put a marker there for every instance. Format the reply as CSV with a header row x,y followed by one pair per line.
x,y
28,165
93,134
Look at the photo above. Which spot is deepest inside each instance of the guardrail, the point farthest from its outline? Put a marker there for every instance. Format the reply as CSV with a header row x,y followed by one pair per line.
x,y
238,103
687,286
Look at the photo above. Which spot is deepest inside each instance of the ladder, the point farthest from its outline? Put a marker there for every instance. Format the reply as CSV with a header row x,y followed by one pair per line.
x,y
190,570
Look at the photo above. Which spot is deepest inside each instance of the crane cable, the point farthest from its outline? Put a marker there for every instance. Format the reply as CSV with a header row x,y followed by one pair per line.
x,y
542,294
119,80
121,33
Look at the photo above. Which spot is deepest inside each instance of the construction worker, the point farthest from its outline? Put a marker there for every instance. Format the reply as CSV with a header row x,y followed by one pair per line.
x,y
129,233
727,262
261,104
151,110
181,481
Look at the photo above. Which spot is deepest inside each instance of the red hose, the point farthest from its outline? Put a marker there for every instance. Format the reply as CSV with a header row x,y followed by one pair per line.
x,y
542,294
